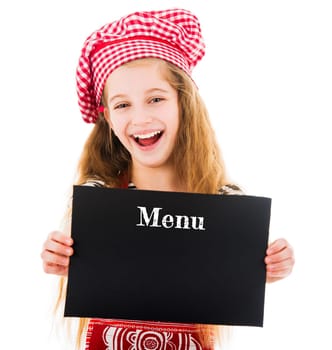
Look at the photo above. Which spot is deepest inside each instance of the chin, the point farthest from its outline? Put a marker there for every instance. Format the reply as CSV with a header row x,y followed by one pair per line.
x,y
153,164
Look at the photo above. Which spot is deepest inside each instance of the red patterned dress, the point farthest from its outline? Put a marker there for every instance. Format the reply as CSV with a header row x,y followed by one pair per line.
x,y
141,335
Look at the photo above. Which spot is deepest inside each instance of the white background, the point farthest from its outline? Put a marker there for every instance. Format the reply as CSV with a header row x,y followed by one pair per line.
x,y
267,81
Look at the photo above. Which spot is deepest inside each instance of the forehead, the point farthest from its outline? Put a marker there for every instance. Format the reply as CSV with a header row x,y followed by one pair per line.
x,y
138,75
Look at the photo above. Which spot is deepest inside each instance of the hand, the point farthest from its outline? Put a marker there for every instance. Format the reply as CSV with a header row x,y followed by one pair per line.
x,y
279,260
56,252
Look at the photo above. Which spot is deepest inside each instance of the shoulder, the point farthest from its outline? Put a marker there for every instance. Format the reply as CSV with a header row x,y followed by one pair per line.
x,y
231,189
94,183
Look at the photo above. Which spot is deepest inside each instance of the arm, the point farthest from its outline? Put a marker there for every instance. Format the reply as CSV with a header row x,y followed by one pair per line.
x,y
279,260
56,252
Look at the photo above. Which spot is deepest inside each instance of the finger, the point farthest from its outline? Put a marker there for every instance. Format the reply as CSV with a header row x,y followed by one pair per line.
x,y
276,246
271,279
285,265
286,253
59,237
58,248
55,269
55,259
278,274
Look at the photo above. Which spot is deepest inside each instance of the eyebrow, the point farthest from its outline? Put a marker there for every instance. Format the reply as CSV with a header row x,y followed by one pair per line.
x,y
149,91
157,90
117,96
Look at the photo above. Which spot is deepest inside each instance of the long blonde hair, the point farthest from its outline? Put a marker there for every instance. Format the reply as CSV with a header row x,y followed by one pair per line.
x,y
196,155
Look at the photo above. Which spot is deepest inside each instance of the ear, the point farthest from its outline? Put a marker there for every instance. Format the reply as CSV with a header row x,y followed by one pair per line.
x,y
107,116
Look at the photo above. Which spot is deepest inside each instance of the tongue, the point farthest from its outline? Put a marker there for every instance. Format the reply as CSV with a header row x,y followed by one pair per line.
x,y
148,142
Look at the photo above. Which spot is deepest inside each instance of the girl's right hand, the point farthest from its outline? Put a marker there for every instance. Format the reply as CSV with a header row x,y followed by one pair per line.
x,y
56,252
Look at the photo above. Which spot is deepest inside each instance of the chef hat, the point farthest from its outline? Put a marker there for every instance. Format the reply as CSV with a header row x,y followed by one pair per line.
x,y
172,35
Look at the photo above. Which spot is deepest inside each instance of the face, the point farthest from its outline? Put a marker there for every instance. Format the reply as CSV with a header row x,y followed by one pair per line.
x,y
142,109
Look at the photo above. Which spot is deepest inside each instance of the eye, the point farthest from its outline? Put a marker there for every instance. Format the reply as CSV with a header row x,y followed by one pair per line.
x,y
156,99
121,105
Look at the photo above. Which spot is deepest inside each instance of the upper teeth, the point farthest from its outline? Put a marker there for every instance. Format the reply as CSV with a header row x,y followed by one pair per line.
x,y
147,136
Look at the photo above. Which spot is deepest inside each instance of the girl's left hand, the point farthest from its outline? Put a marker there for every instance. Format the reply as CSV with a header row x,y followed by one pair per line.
x,y
279,260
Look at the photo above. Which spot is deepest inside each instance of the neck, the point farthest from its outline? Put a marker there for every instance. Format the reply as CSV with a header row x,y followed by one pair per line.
x,y
156,179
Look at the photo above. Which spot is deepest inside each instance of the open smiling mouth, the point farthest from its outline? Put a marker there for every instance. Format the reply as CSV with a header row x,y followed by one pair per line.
x,y
148,139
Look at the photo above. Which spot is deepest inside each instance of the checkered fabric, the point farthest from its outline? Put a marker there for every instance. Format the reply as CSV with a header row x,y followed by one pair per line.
x,y
173,35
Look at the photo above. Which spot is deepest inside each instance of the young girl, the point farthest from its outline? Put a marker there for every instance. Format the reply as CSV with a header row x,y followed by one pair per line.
x,y
151,132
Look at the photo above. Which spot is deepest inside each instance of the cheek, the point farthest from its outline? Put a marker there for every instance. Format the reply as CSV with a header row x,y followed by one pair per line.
x,y
119,129
115,125
175,120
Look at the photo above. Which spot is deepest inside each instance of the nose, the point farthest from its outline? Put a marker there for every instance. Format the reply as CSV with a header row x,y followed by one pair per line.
x,y
141,115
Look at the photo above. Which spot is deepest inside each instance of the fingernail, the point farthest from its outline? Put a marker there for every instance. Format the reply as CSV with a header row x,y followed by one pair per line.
x,y
69,251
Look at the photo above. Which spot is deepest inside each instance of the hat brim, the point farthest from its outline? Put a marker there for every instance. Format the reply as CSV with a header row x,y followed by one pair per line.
x,y
111,57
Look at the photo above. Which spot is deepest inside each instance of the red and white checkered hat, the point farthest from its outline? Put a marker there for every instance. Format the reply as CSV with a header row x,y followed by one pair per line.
x,y
173,35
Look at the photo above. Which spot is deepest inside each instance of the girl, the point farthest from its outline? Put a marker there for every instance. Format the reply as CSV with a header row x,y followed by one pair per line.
x,y
151,132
